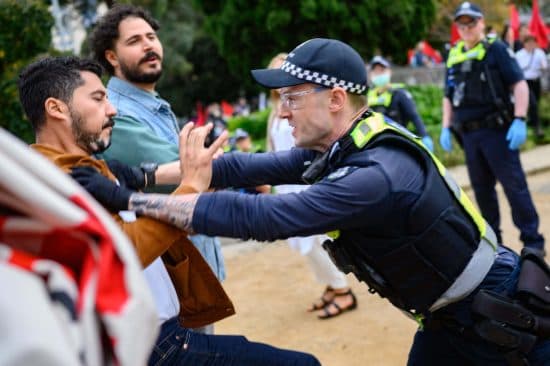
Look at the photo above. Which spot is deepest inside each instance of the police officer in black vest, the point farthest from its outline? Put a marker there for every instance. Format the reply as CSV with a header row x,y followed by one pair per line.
x,y
393,100
397,219
486,99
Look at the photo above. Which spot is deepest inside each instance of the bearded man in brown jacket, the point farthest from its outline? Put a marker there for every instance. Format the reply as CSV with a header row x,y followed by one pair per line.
x,y
66,103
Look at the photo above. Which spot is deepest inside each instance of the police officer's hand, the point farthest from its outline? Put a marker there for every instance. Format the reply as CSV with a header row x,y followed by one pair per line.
x,y
128,176
517,134
445,139
427,141
110,195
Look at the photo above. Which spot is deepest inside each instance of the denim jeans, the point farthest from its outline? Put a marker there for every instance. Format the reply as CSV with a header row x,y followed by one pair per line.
x,y
447,347
180,346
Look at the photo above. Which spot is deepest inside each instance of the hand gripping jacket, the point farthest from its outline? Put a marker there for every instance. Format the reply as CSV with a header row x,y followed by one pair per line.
x,y
449,250
474,83
381,102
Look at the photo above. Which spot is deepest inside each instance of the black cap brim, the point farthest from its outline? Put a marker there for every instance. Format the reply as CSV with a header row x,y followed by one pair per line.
x,y
469,13
275,78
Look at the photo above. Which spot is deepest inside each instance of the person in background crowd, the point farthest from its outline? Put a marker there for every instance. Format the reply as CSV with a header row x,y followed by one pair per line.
x,y
532,61
419,58
337,297
242,142
393,100
242,108
481,75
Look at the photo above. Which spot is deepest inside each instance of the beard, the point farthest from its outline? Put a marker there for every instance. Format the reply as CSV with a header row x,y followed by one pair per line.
x,y
90,141
134,75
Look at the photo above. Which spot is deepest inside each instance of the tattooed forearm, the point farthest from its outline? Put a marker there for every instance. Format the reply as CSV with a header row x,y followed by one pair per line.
x,y
175,210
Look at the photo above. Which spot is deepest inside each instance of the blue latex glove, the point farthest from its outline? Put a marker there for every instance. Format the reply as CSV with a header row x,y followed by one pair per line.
x,y
445,139
517,134
427,141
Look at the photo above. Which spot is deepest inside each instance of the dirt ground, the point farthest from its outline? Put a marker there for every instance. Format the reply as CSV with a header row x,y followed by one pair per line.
x,y
271,286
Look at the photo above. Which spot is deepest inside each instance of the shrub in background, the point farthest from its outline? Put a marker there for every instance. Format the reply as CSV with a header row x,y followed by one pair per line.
x,y
25,31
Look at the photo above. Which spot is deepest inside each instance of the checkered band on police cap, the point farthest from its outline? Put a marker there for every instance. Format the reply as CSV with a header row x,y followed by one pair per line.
x,y
326,62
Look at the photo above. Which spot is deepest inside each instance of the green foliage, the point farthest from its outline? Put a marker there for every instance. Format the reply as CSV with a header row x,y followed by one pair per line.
x,y
428,99
255,123
25,31
249,34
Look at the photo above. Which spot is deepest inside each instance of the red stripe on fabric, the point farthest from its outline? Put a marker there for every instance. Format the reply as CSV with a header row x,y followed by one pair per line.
x,y
112,289
3,220
22,259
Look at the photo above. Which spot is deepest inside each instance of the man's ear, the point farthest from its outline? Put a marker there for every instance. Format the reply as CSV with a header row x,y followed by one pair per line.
x,y
338,98
55,108
112,58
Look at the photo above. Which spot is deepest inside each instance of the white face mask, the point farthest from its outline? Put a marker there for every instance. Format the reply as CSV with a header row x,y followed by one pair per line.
x,y
381,79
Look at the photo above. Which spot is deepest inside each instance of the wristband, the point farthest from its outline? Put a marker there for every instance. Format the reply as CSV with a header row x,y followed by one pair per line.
x,y
519,117
149,169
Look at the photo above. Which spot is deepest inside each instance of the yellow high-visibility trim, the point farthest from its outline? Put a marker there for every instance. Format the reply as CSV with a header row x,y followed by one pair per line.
x,y
375,125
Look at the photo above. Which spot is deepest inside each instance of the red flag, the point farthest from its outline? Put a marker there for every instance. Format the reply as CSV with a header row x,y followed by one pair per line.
x,y
514,21
454,34
537,26
227,109
201,114
433,54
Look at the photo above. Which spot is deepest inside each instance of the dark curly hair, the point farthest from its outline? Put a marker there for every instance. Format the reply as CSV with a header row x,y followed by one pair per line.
x,y
51,77
105,33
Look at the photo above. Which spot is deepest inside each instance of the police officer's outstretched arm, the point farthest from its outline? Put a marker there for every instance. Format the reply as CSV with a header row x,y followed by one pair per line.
x,y
445,137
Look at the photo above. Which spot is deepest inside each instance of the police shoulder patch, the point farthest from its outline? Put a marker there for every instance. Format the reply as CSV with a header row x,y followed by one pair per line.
x,y
341,172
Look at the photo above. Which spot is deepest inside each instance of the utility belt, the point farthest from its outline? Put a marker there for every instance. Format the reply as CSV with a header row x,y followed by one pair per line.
x,y
493,121
515,324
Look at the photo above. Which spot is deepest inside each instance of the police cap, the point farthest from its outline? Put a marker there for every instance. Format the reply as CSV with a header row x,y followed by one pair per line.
x,y
327,62
379,60
468,9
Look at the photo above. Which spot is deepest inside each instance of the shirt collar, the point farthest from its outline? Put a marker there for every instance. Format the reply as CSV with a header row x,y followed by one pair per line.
x,y
150,100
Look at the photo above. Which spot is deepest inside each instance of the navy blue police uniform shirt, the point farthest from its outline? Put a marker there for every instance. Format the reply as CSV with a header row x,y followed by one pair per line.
x,y
403,102
499,57
373,198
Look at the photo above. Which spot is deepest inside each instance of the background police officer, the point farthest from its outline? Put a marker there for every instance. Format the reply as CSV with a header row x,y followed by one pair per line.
x,y
477,102
393,100
399,222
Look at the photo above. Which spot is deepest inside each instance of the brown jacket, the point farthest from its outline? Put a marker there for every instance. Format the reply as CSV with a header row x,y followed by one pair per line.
x,y
201,296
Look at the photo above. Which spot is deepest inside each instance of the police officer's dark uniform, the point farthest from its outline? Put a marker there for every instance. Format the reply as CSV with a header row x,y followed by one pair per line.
x,y
396,102
399,221
478,82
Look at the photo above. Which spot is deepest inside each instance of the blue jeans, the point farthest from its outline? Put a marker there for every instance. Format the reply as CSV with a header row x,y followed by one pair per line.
x,y
447,347
180,346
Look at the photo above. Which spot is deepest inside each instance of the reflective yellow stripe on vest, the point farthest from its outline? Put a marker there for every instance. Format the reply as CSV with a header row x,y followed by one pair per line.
x,y
457,55
383,99
374,125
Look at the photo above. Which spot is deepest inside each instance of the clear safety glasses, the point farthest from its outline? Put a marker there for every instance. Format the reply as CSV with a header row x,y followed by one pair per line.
x,y
296,100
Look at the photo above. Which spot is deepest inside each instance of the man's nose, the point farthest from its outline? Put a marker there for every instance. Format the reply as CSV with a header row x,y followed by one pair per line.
x,y
111,110
282,110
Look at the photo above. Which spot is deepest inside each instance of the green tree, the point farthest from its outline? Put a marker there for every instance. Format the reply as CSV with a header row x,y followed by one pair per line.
x,y
248,33
25,32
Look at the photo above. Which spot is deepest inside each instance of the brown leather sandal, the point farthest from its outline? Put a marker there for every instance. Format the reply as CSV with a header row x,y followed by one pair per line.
x,y
339,310
329,292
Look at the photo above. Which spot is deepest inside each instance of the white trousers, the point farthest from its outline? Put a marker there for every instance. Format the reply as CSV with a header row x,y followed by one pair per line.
x,y
324,270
